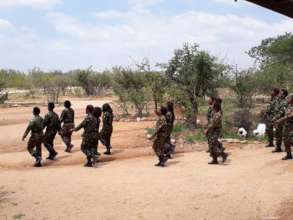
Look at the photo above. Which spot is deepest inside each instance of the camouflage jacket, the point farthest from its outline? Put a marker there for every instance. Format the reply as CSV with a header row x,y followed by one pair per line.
x,y
289,115
89,124
170,118
67,116
271,110
52,122
107,121
161,127
215,121
35,126
280,109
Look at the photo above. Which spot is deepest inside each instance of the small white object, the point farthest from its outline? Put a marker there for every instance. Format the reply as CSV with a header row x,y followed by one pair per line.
x,y
242,133
173,141
198,122
138,119
260,131
149,136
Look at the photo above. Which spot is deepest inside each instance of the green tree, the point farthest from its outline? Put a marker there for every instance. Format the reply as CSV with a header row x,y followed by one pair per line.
x,y
274,57
194,73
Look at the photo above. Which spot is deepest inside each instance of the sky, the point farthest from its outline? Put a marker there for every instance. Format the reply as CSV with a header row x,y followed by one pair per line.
x,y
71,34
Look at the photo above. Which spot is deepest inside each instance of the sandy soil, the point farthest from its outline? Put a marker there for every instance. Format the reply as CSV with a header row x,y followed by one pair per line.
x,y
254,184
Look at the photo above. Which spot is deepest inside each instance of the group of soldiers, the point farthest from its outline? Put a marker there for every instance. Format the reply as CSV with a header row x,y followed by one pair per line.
x,y
279,121
65,126
162,145
278,117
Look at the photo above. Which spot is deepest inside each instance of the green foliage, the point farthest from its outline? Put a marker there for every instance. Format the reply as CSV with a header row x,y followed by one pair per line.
x,y
150,131
198,136
130,87
275,59
193,74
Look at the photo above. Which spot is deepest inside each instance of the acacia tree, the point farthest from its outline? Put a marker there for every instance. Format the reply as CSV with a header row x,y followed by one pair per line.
x,y
274,57
194,73
130,87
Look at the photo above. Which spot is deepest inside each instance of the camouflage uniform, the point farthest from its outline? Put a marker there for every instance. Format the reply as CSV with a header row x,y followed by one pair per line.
x,y
98,136
34,145
269,115
280,110
67,118
161,135
288,131
89,136
170,118
214,132
107,129
52,124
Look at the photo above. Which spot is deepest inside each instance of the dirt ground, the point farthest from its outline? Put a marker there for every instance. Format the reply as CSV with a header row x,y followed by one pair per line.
x,y
254,184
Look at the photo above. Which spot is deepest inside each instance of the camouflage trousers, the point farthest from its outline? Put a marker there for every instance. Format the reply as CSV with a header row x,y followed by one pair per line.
x,y
34,145
288,137
215,146
279,135
270,132
49,140
105,137
66,133
160,147
89,144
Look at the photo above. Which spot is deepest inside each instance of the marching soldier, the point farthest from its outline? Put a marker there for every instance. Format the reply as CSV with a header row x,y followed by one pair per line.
x,y
269,115
52,125
107,129
67,118
213,133
288,129
34,145
89,136
160,137
281,107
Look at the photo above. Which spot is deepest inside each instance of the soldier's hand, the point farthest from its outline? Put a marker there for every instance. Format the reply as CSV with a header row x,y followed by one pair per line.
x,y
23,138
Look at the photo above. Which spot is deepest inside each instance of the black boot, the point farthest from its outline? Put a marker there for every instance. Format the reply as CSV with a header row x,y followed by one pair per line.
x,y
163,161
288,156
108,151
89,162
38,161
214,161
270,145
224,156
277,150
52,155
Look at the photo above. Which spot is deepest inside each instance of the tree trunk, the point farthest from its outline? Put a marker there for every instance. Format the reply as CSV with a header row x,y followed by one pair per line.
x,y
194,112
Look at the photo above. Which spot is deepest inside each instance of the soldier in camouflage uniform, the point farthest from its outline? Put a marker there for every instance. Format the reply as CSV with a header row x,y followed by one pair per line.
x,y
89,136
97,114
160,137
170,119
67,118
107,129
288,128
281,107
34,145
52,125
213,133
269,115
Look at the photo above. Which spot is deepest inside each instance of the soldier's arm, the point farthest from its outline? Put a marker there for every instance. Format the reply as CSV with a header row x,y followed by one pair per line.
x,y
214,122
81,125
27,131
46,120
62,116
